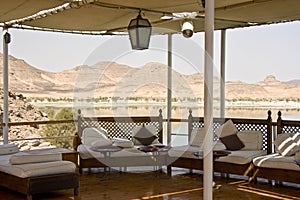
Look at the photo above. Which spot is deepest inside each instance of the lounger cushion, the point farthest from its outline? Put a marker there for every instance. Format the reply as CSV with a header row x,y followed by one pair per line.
x,y
276,161
34,158
241,156
218,145
197,137
236,157
121,142
34,169
253,140
89,135
131,157
8,149
101,142
232,142
197,140
187,151
296,138
285,145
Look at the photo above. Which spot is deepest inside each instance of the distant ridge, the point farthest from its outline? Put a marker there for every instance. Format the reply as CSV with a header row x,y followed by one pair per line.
x,y
106,79
293,82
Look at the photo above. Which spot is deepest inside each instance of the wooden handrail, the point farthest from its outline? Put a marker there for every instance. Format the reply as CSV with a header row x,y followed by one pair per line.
x,y
40,122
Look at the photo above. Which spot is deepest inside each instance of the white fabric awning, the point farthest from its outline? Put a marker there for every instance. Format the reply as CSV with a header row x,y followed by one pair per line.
x,y
111,16
15,9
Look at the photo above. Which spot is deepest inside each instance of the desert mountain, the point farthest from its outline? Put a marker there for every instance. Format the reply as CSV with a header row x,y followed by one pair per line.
x,y
109,79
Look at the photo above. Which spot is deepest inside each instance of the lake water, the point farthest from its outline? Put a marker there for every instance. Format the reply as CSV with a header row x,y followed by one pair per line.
x,y
183,113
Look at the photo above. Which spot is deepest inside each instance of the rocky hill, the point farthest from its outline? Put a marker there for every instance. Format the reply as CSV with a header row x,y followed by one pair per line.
x,y
106,79
20,110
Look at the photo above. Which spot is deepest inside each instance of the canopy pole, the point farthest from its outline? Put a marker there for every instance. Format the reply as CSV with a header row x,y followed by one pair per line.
x,y
6,41
222,82
208,101
169,114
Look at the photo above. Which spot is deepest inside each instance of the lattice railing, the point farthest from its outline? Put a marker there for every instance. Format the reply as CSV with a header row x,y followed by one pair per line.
x,y
117,129
290,129
121,127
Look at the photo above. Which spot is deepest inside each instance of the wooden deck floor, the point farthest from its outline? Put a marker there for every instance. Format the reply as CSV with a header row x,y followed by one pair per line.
x,y
146,185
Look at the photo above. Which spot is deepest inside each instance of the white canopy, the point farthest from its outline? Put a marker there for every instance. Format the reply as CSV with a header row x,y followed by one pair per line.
x,y
110,16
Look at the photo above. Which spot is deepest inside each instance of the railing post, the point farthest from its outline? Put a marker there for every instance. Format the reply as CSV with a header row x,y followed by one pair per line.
x,y
76,139
279,123
160,131
190,125
269,133
79,122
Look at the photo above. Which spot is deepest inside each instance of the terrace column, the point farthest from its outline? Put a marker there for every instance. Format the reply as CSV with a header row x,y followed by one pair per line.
x,y
208,101
169,114
222,70
6,41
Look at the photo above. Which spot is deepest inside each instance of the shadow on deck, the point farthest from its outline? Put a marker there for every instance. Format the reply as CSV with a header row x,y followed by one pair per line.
x,y
138,185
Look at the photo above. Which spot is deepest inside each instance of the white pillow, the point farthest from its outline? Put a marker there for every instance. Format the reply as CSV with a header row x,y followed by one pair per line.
x,y
285,145
101,143
90,135
34,158
150,128
226,129
197,137
253,140
124,143
8,149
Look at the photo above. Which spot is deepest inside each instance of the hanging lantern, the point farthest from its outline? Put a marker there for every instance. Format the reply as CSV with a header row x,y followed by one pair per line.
x,y
139,30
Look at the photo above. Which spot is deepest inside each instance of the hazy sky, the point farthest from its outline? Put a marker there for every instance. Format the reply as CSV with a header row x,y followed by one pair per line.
x,y
251,53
